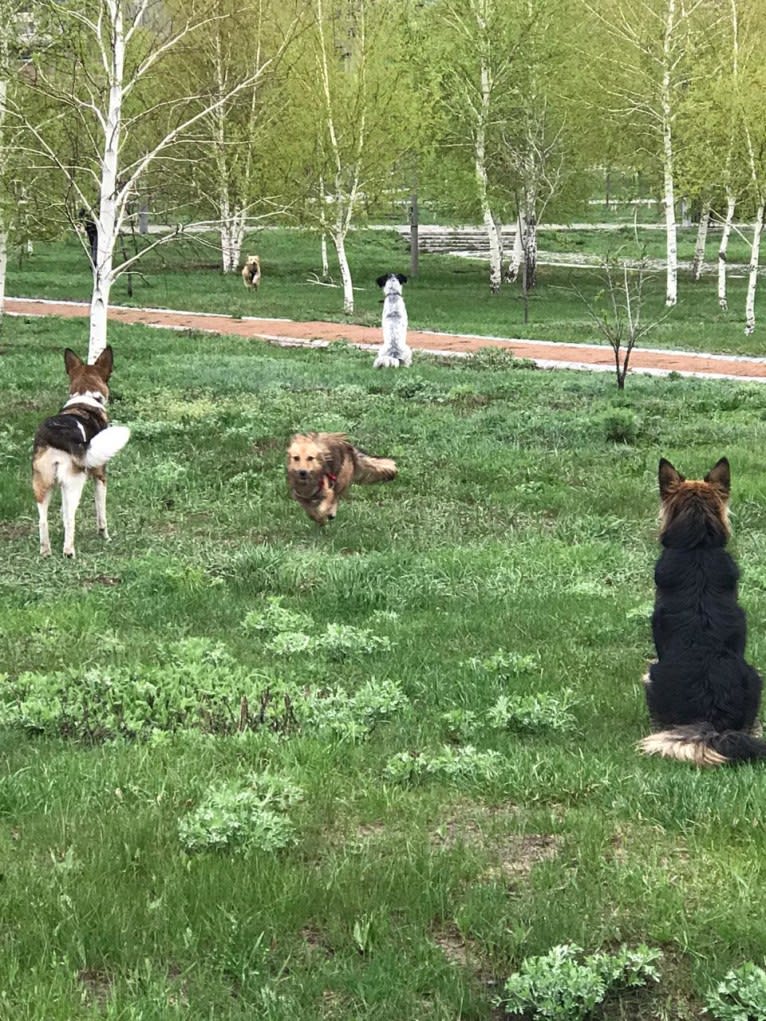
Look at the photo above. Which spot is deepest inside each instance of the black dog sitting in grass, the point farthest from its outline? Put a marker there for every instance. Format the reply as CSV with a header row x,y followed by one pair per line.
x,y
703,697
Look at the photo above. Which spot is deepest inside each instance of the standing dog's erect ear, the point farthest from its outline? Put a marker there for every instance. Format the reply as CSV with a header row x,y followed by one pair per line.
x,y
401,278
720,475
104,363
72,361
381,281
669,478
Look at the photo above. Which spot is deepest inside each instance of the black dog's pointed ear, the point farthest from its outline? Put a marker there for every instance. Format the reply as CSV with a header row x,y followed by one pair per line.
x,y
669,478
720,475
380,281
401,278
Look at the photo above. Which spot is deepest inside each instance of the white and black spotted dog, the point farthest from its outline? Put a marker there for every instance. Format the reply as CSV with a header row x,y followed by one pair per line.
x,y
394,350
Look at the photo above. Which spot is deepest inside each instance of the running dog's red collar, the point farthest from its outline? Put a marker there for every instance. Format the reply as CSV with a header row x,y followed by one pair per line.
x,y
331,479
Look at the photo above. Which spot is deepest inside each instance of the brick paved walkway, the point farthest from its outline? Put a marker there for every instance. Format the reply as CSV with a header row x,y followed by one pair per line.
x,y
548,354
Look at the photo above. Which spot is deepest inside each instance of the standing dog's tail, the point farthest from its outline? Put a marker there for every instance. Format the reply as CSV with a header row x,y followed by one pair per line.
x,y
702,745
373,469
105,445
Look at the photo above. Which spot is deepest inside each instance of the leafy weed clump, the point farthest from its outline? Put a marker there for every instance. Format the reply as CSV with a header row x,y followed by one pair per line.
x,y
526,714
740,996
563,985
461,766
243,816
291,633
197,686
535,713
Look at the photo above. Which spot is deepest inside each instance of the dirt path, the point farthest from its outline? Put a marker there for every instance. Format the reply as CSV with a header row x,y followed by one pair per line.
x,y
547,354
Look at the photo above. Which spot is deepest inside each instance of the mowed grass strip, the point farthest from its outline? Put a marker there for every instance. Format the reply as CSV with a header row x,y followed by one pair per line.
x,y
433,846
450,294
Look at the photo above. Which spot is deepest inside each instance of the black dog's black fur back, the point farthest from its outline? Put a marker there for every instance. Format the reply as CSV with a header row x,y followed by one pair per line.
x,y
701,693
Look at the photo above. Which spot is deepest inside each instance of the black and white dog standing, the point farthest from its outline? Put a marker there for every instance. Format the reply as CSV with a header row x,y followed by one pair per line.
x,y
394,350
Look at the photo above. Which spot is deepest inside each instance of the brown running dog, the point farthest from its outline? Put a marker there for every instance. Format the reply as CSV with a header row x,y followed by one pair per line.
x,y
321,467
251,272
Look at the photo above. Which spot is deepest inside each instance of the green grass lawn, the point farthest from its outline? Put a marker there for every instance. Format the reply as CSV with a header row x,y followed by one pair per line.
x,y
450,294
512,557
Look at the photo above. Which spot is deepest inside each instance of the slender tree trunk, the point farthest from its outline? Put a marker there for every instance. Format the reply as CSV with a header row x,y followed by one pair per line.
x,y
325,261
339,240
232,238
3,261
414,235
671,295
731,204
107,213
753,275
699,248
517,253
490,226
3,224
495,252
529,237
480,171
224,228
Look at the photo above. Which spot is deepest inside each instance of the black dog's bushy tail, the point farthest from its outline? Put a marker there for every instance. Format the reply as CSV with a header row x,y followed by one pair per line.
x,y
702,745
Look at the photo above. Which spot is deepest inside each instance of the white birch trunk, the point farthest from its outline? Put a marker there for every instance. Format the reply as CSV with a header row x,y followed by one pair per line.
x,y
480,172
339,240
495,251
325,261
232,188
345,196
671,295
3,261
3,223
232,234
517,253
107,220
731,203
529,243
699,248
753,275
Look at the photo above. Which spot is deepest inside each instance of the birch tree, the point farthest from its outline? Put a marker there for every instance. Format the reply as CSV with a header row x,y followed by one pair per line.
x,y
236,179
748,82
647,69
475,44
535,117
102,71
352,115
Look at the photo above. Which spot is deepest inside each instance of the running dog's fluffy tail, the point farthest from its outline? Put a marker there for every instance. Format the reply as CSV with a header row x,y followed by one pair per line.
x,y
702,745
105,445
373,469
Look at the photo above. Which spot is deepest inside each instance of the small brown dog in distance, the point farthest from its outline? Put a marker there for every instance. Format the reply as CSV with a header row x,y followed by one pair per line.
x,y
321,467
251,272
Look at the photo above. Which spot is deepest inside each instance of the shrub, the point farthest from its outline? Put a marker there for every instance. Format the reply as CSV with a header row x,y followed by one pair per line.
x,y
493,358
740,996
534,712
274,618
564,986
460,765
291,633
240,815
352,716
619,425
506,664
196,685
